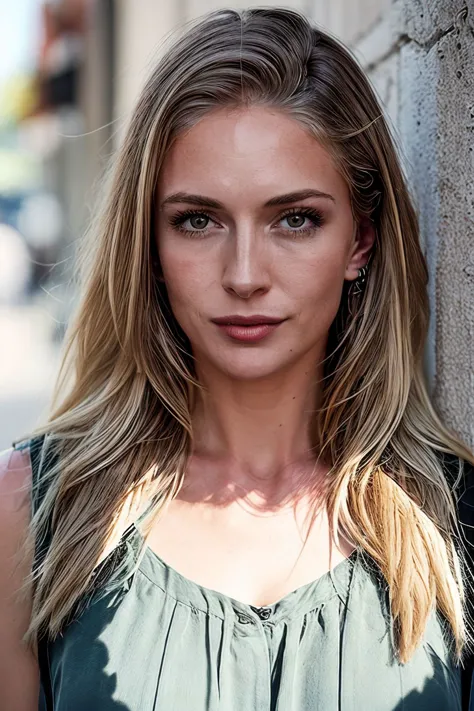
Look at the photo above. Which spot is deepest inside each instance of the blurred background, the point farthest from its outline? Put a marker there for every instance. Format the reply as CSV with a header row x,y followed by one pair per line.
x,y
70,71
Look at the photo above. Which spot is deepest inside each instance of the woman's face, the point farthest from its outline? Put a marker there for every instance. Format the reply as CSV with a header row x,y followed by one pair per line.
x,y
242,248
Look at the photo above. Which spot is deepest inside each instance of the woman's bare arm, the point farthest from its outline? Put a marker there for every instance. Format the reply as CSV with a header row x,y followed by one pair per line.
x,y
19,674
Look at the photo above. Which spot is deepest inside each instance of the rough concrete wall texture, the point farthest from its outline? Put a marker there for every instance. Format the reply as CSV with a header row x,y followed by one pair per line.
x,y
437,124
419,55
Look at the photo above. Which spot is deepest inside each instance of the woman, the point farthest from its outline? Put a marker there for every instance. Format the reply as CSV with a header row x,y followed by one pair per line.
x,y
244,497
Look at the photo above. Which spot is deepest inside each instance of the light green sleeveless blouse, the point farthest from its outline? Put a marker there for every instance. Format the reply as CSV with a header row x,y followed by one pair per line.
x,y
162,642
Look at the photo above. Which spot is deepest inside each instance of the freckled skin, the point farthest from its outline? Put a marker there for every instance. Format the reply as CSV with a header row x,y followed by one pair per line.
x,y
247,263
248,258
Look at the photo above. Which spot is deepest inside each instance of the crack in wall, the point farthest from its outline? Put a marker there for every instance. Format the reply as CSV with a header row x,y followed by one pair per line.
x,y
405,38
456,26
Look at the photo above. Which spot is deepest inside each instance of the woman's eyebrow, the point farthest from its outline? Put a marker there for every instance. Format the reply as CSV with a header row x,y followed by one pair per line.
x,y
204,201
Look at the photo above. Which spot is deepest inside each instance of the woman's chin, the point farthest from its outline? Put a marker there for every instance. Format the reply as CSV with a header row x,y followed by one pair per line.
x,y
251,366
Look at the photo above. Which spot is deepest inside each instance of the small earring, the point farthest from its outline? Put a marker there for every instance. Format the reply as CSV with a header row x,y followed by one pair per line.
x,y
358,284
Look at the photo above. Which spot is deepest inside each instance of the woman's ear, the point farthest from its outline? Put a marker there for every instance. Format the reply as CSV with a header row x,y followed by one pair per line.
x,y
364,239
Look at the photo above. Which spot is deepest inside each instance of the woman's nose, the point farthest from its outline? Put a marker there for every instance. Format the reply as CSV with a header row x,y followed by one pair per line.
x,y
246,266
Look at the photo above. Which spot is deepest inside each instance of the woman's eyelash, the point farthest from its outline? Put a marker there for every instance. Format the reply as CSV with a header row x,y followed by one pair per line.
x,y
314,215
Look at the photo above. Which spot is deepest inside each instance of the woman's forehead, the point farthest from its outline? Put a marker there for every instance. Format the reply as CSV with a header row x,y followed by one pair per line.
x,y
238,152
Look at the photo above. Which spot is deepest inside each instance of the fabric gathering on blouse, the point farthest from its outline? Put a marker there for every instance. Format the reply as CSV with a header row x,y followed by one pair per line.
x,y
161,642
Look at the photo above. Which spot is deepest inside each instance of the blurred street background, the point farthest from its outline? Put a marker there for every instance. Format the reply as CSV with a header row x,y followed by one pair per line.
x,y
70,72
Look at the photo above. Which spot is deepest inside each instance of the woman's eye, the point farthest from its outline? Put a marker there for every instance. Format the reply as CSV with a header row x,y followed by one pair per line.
x,y
296,220
299,221
292,218
198,221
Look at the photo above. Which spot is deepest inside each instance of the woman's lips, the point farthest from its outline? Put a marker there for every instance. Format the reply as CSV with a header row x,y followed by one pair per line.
x,y
249,334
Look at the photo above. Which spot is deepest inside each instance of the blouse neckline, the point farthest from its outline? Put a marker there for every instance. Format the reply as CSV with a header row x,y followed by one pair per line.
x,y
333,583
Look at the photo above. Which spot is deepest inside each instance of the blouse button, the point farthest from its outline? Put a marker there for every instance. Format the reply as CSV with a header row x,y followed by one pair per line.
x,y
263,612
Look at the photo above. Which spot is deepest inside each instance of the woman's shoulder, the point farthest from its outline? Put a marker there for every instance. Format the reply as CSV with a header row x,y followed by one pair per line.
x,y
15,483
38,450
23,484
18,489
18,666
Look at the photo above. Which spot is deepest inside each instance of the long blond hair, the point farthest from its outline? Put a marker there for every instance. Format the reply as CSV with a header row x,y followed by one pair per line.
x,y
121,411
